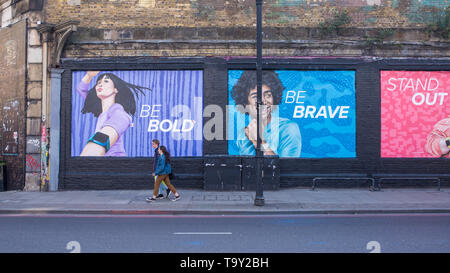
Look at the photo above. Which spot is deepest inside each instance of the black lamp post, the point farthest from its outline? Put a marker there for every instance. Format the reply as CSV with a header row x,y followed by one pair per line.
x,y
259,198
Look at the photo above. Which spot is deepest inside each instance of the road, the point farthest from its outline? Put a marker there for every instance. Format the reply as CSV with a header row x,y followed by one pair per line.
x,y
218,234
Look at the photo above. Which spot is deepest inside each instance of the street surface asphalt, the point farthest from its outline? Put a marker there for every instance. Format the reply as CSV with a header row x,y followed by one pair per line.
x,y
385,233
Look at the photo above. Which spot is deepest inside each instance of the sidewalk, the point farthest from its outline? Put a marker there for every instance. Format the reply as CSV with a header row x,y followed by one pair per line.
x,y
284,201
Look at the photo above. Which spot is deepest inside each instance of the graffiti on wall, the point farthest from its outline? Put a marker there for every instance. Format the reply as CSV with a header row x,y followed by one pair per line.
x,y
12,85
12,95
33,164
44,157
10,128
33,145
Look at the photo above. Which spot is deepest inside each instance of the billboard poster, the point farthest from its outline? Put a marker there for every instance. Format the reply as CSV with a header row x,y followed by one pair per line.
x,y
128,109
305,114
415,110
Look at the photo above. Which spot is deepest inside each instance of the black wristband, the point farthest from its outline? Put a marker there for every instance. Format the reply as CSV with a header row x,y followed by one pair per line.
x,y
100,139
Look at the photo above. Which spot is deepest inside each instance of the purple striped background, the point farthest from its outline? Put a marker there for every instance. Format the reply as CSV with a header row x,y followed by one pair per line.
x,y
169,88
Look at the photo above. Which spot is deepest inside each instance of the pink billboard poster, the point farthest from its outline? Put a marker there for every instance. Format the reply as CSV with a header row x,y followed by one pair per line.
x,y
415,114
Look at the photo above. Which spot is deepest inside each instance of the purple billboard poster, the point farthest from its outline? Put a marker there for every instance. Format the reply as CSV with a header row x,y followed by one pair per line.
x,y
123,111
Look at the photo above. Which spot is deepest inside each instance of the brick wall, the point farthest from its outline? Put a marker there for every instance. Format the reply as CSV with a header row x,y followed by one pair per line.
x,y
22,82
106,14
12,102
218,28
385,28
34,116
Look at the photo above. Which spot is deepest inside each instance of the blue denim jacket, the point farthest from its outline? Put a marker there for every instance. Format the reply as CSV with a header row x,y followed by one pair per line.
x,y
162,166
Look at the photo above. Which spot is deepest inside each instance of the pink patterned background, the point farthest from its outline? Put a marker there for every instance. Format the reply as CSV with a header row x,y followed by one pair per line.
x,y
405,125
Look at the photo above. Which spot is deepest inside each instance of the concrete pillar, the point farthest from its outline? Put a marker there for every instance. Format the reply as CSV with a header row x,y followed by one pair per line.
x,y
55,128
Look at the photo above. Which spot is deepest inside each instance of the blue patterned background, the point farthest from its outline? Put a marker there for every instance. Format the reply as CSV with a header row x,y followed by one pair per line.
x,y
321,137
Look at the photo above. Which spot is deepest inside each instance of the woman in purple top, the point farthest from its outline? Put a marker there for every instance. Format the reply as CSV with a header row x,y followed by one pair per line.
x,y
111,100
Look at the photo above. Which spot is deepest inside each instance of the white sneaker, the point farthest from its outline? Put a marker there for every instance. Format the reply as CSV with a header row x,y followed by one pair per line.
x,y
177,198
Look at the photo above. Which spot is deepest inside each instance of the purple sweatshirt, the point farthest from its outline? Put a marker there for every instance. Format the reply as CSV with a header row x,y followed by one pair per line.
x,y
115,117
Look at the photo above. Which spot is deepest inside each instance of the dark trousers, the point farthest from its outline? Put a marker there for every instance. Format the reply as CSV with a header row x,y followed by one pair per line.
x,y
166,179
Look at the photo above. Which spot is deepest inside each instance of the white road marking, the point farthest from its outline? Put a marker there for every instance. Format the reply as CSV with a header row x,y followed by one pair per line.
x,y
202,233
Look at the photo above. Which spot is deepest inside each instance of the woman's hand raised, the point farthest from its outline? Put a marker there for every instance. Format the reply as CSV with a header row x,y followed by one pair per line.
x,y
89,75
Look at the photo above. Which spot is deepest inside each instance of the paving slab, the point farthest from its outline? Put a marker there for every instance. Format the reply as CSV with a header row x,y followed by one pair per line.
x,y
284,201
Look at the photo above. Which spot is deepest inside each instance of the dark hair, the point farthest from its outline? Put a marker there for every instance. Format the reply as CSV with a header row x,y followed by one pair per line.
x,y
124,96
155,141
247,81
165,152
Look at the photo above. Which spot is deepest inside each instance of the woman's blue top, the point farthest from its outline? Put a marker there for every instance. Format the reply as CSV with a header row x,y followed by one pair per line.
x,y
162,166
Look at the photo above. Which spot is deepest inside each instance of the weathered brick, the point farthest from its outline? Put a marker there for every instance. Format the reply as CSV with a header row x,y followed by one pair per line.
x,y
34,55
73,2
33,163
35,72
34,38
34,90
33,126
34,109
33,144
32,182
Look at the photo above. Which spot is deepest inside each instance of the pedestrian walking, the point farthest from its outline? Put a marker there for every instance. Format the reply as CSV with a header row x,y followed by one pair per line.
x,y
163,187
163,170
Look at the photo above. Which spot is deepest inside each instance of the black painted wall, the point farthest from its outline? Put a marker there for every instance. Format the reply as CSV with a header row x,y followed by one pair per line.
x,y
135,173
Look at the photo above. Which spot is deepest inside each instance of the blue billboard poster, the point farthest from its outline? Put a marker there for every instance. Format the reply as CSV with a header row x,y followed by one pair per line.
x,y
304,114
119,113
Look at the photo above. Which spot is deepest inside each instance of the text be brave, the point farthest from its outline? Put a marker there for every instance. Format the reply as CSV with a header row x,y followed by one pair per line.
x,y
312,111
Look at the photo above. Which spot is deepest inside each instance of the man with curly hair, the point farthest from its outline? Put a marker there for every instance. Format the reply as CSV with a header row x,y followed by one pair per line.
x,y
281,136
